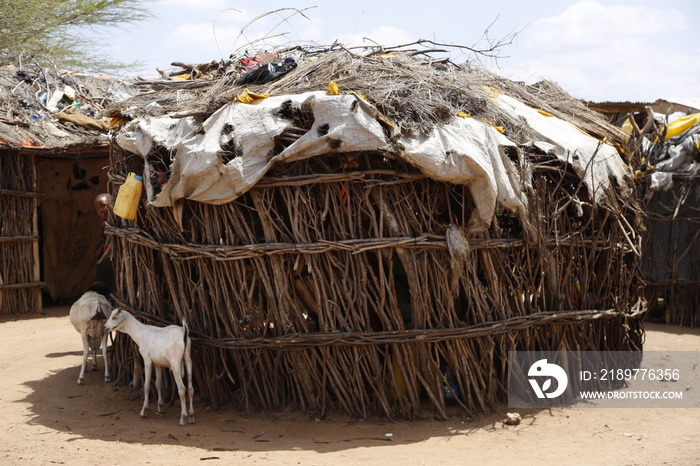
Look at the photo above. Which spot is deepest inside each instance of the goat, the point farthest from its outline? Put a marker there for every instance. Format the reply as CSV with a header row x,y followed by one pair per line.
x,y
168,347
88,315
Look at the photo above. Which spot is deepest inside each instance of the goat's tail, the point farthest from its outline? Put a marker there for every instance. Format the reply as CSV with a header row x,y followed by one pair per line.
x,y
187,357
186,332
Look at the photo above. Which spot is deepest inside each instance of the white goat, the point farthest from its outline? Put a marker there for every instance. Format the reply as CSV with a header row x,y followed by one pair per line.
x,y
88,315
165,347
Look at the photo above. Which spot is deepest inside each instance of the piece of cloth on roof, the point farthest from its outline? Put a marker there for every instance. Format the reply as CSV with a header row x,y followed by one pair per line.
x,y
594,161
79,119
681,156
466,151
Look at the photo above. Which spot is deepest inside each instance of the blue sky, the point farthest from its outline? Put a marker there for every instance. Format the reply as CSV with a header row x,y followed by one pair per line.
x,y
597,50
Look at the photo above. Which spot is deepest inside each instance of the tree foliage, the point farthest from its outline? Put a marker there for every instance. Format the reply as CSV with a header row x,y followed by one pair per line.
x,y
64,33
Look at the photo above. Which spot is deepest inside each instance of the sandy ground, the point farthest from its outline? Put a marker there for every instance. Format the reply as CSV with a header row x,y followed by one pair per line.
x,y
48,419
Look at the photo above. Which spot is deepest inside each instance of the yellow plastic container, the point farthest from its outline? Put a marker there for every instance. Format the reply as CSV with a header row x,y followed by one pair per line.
x,y
129,196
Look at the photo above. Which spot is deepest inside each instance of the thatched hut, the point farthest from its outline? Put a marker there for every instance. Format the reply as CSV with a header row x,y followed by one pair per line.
x,y
670,182
377,250
54,153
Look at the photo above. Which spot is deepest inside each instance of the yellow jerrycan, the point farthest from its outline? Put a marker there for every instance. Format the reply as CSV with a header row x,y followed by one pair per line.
x,y
128,197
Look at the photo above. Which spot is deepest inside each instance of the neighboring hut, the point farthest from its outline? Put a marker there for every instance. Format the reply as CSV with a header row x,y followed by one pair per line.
x,y
670,176
618,113
664,147
54,153
376,249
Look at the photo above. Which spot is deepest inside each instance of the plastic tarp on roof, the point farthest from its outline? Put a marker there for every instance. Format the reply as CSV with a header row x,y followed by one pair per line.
x,y
466,151
683,139
594,161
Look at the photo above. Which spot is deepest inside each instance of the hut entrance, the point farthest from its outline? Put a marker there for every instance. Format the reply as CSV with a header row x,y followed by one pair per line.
x,y
70,229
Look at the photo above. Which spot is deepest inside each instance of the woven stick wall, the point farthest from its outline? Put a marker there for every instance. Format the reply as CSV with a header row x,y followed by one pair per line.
x,y
20,286
328,288
672,263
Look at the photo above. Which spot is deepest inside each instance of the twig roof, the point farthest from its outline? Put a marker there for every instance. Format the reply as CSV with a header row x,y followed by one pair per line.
x,y
413,91
413,111
40,108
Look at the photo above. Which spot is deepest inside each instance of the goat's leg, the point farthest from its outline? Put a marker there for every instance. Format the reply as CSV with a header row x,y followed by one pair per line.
x,y
177,375
86,352
94,359
146,384
104,356
190,388
159,389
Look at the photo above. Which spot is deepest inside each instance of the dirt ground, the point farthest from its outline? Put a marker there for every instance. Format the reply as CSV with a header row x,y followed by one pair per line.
x,y
48,419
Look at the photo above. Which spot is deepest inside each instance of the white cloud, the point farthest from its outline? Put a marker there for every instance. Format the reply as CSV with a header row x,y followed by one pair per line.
x,y
590,23
572,79
606,52
384,35
207,40
193,37
198,5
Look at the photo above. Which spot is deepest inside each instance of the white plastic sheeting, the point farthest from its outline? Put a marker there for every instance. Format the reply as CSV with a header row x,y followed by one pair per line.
x,y
594,161
470,152
467,151
679,158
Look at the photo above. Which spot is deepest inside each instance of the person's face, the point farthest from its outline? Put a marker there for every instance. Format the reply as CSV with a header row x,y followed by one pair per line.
x,y
102,207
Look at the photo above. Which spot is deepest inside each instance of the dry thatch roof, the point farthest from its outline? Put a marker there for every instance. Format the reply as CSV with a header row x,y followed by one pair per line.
x,y
413,91
29,118
415,106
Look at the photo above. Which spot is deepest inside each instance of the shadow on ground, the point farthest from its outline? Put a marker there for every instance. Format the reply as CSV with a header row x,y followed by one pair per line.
x,y
107,412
